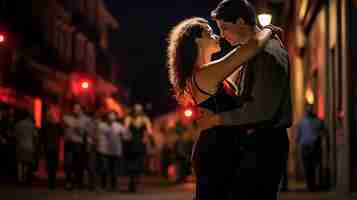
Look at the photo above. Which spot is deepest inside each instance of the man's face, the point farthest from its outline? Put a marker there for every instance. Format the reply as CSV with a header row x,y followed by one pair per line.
x,y
234,33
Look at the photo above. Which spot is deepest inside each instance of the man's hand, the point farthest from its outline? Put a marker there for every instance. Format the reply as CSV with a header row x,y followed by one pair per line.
x,y
208,119
278,33
274,29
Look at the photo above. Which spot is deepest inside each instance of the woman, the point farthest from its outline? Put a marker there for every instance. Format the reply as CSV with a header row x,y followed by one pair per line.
x,y
198,81
140,126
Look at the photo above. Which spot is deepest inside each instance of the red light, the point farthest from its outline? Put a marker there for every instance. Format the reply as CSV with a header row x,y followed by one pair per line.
x,y
2,38
85,85
188,113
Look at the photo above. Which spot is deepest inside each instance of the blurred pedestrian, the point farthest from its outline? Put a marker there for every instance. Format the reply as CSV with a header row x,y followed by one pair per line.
x,y
140,126
118,133
309,140
50,135
74,135
25,133
90,154
103,135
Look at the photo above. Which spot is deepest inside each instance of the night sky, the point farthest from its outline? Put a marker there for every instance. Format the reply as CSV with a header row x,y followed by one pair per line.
x,y
140,45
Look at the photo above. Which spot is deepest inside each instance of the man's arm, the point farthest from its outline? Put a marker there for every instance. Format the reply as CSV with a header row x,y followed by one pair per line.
x,y
268,89
124,132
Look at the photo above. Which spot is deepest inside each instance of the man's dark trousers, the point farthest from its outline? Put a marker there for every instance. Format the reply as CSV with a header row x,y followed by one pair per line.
x,y
231,164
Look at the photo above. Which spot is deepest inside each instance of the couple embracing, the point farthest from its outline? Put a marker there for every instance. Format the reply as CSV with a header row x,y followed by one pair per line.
x,y
244,98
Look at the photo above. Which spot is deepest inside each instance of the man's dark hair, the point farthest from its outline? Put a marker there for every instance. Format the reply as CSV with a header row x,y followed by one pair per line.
x,y
231,10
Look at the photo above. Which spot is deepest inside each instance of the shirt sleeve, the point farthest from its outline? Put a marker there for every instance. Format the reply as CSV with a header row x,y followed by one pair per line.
x,y
270,81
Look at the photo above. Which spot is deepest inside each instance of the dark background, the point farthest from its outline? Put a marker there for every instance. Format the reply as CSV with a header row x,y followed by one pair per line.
x,y
140,45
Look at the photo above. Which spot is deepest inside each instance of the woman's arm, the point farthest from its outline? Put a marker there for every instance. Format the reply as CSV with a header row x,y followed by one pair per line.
x,y
214,72
127,122
148,125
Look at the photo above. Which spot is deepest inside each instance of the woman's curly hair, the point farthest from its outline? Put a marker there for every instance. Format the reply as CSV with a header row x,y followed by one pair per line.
x,y
182,54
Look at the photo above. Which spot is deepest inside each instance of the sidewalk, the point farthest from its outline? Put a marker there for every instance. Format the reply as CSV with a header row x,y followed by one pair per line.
x,y
170,193
152,188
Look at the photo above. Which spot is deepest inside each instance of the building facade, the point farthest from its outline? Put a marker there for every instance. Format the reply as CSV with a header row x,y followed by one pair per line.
x,y
56,46
321,45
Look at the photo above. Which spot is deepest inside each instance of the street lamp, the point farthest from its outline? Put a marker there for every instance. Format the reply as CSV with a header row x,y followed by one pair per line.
x,y
264,19
309,96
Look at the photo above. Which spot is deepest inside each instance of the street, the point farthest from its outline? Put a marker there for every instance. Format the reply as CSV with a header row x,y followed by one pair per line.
x,y
149,190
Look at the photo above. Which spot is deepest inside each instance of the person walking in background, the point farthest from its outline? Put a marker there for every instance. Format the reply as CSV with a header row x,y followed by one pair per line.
x,y
25,133
103,135
50,136
118,133
73,147
90,153
139,126
309,140
85,127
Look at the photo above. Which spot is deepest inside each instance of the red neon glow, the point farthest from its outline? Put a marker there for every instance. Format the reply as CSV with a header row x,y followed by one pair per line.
x,y
188,113
2,38
38,112
85,84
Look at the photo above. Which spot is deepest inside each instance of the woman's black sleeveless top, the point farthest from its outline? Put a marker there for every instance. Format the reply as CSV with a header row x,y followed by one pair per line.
x,y
219,102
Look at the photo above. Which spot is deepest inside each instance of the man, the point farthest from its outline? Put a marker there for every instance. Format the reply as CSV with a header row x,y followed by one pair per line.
x,y
26,134
74,134
117,134
263,89
309,140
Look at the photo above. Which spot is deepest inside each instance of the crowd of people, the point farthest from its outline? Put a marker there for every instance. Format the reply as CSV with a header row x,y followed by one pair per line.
x,y
98,145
